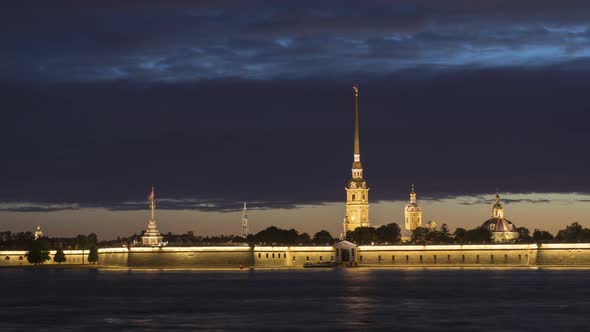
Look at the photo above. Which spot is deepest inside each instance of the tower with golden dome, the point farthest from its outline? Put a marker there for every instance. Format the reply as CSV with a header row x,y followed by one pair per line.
x,y
357,192
412,213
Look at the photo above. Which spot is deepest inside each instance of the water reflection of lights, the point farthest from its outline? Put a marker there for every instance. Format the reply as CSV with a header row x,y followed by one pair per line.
x,y
357,298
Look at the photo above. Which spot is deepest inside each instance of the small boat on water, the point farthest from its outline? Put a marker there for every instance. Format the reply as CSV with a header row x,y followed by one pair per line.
x,y
319,264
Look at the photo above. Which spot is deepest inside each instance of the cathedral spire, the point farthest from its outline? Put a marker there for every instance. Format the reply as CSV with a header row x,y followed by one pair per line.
x,y
357,144
357,166
412,195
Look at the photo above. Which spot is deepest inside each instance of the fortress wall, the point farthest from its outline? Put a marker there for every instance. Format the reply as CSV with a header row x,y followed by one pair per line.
x,y
295,256
181,257
447,255
564,254
113,256
17,257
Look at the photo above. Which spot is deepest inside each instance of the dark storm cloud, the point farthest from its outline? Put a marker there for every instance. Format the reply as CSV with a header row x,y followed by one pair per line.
x,y
217,103
480,200
212,145
178,40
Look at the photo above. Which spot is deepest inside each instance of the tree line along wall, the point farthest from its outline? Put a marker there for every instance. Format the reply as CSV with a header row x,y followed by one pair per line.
x,y
297,256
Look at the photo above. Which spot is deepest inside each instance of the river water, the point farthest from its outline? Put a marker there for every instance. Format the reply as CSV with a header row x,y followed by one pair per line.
x,y
292,300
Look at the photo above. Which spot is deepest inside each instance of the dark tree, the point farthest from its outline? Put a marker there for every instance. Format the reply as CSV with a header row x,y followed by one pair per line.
x,y
542,236
524,235
59,256
390,233
92,239
82,243
460,234
38,252
573,233
323,237
420,235
445,229
477,235
303,238
93,255
362,235
274,235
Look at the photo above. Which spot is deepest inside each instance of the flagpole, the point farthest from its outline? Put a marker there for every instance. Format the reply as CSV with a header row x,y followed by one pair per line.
x,y
152,203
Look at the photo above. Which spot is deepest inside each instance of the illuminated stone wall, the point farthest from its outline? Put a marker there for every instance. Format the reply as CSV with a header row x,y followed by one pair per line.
x,y
297,256
11,258
190,257
564,254
447,255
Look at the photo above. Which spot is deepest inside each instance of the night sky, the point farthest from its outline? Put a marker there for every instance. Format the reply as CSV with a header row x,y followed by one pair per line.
x,y
218,102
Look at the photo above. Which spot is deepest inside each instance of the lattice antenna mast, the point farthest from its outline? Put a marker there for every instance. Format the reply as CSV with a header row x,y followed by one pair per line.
x,y
244,227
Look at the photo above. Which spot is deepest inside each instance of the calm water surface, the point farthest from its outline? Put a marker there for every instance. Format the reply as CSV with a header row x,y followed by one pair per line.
x,y
283,300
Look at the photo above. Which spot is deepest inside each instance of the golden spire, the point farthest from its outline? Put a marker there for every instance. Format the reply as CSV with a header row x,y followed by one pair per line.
x,y
357,146
497,198
413,195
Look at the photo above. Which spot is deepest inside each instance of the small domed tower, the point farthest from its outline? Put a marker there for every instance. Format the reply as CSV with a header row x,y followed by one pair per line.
x,y
498,210
502,229
412,213
38,232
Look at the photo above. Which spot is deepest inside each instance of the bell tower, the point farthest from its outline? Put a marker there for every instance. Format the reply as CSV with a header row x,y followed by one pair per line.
x,y
357,192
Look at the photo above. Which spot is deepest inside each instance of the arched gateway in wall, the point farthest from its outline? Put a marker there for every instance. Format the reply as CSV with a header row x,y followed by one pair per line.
x,y
346,252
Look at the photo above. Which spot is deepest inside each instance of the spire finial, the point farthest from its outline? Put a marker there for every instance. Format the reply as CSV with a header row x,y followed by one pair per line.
x,y
357,146
413,189
497,197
